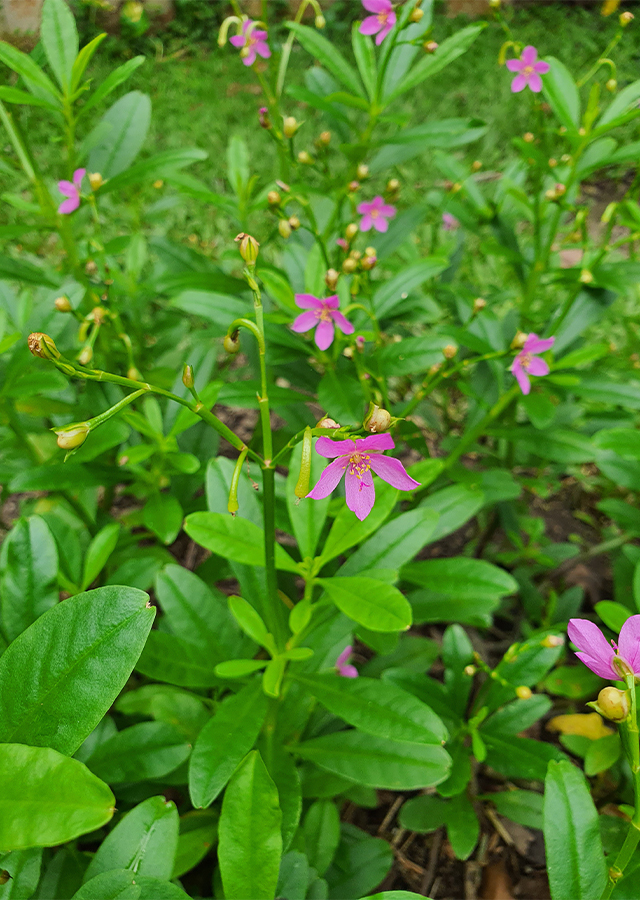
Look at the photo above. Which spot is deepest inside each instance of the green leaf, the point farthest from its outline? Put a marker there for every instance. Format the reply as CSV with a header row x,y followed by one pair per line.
x,y
160,165
223,742
613,614
162,514
250,842
390,294
342,396
430,64
517,757
394,544
561,93
328,56
423,814
236,539
22,270
620,105
172,660
59,37
376,707
123,132
377,762
99,551
123,884
83,59
408,143
361,863
462,578
144,841
28,575
47,798
321,829
523,807
307,517
111,82
374,604
198,833
35,79
463,828
575,860
366,60
574,682
61,675
625,441
251,622
602,754
145,751
347,530
13,95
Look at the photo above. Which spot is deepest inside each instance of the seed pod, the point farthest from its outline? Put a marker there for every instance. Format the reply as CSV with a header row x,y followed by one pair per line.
x,y
73,436
284,228
377,419
249,247
290,126
302,485
187,376
613,704
231,343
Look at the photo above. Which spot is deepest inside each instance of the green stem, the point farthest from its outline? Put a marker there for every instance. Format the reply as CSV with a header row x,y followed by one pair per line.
x,y
474,433
274,611
430,384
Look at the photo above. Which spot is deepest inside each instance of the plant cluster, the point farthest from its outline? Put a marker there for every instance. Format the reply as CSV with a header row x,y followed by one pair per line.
x,y
206,647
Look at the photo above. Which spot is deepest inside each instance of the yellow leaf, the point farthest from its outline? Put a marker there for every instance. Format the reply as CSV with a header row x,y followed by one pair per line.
x,y
589,725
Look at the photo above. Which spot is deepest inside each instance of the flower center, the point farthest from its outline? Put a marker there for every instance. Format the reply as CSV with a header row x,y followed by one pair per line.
x,y
359,463
382,17
323,315
374,213
525,360
527,70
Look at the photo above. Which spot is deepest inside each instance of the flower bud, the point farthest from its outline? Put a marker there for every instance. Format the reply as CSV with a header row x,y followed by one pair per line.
x,y
187,377
349,266
479,304
368,262
294,222
393,186
134,374
231,343
325,138
91,267
355,254
613,704
416,15
42,345
430,46
370,251
95,180
586,276
158,183
476,165
519,340
560,190
495,4
552,640
354,186
284,228
626,18
449,351
85,356
320,21
302,485
263,117
343,244
470,671
326,422
435,368
553,163
62,304
305,158
360,342
611,85
351,231
377,419
274,198
523,692
362,172
290,126
331,279
528,137
72,436
249,247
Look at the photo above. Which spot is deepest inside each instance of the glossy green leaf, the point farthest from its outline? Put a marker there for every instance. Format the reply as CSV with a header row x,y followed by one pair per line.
x,y
47,798
28,575
613,614
575,861
377,762
148,750
13,95
376,707
321,829
59,37
286,776
236,539
523,807
361,863
561,93
144,841
625,441
198,834
162,514
374,604
123,131
516,757
223,742
250,842
61,675
123,884
165,703
174,661
461,577
602,754
397,542
328,56
99,551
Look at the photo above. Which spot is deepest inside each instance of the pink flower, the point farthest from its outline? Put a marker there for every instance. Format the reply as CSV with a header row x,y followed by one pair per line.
x,y
381,22
253,40
528,363
344,245
529,71
354,460
72,191
321,313
449,222
345,669
607,660
376,214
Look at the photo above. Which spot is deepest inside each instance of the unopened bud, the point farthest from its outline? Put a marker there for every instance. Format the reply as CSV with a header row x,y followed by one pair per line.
x,y
325,138
553,163
377,419
231,343
158,183
284,228
416,15
249,247
479,304
560,190
351,231
455,187
42,345
613,704
354,186
470,671
349,266
95,180
62,304
85,356
331,279
187,377
393,186
368,262
611,85
449,351
326,422
519,340
290,126
523,692
72,436
320,21
626,18
360,342
274,198
552,640
91,267
263,117
430,46
355,254
586,276
370,251
294,222
476,165
305,158
528,137
362,172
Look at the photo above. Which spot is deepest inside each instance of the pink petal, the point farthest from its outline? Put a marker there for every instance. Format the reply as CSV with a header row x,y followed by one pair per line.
x,y
364,208
305,322
388,211
366,223
238,40
259,35
324,335
344,656
263,50
329,480
535,82
541,67
377,6
379,224
251,58
376,443
383,32
308,301
604,670
78,175
529,55
343,324
67,189
538,345
360,493
68,206
587,637
332,302
538,367
330,449
518,84
514,65
246,25
629,642
377,202
393,472
371,25
521,376
348,671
